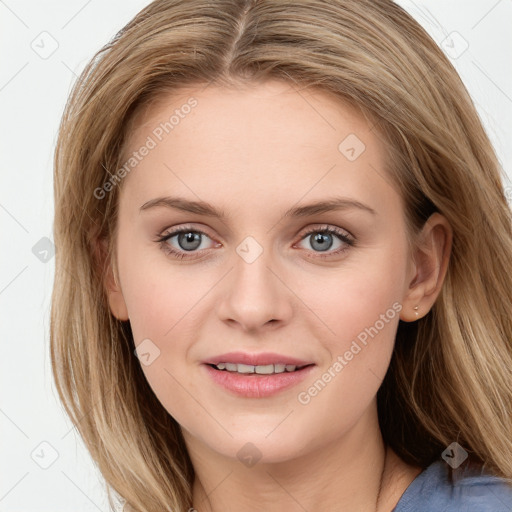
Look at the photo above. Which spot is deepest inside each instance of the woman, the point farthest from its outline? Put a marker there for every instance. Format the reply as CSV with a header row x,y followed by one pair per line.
x,y
283,266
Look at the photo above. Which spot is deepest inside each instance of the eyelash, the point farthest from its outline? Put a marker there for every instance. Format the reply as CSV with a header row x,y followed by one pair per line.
x,y
350,242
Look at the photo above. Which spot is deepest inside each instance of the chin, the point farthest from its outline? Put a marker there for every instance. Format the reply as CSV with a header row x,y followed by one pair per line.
x,y
251,447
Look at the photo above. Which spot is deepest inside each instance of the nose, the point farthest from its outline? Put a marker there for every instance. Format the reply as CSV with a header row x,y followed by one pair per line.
x,y
254,296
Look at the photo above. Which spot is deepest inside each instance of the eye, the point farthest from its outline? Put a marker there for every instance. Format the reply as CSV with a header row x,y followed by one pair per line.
x,y
186,244
189,242
322,240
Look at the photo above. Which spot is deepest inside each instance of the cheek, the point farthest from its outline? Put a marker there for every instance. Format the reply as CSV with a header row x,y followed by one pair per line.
x,y
353,297
159,294
357,310
164,304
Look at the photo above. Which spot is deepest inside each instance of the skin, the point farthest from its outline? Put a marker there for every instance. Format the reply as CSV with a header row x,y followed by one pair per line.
x,y
254,152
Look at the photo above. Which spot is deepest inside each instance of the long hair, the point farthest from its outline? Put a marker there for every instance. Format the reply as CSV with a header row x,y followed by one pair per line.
x,y
451,372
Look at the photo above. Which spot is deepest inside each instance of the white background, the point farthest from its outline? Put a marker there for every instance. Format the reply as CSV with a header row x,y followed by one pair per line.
x,y
33,91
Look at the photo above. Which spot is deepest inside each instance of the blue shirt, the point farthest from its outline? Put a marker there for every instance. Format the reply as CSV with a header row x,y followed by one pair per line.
x,y
439,488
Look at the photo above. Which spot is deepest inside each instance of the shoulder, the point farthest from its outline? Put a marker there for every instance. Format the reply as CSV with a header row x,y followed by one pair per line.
x,y
468,488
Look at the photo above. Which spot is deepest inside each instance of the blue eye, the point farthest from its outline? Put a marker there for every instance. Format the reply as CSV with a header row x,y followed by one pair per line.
x,y
324,238
189,242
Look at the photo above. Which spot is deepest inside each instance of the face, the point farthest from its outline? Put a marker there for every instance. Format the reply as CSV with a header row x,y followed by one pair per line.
x,y
260,318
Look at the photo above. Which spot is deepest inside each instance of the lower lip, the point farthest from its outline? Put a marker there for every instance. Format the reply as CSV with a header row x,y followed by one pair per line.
x,y
255,385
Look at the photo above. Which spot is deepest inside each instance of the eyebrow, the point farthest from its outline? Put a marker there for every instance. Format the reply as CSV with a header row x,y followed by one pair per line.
x,y
203,208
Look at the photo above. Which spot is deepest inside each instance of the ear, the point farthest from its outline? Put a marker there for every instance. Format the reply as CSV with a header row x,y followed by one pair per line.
x,y
110,281
430,260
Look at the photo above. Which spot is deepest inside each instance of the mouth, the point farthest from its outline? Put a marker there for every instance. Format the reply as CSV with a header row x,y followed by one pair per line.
x,y
256,375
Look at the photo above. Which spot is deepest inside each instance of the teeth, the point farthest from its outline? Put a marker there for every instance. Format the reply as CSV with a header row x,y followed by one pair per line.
x,y
267,369
245,368
264,370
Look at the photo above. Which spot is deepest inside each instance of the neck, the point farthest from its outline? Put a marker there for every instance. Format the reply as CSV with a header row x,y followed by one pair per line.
x,y
350,473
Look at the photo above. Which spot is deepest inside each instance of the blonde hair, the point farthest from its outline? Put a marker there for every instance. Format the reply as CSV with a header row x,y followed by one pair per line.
x,y
450,374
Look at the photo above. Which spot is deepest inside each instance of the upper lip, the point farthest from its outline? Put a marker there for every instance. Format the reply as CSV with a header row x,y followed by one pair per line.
x,y
262,359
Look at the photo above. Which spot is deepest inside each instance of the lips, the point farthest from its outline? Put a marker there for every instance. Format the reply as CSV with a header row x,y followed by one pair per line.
x,y
256,375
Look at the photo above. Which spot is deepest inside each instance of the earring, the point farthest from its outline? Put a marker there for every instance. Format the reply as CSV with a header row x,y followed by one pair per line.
x,y
416,310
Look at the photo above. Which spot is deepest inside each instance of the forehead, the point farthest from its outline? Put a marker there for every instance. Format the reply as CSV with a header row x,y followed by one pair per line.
x,y
309,113
269,140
